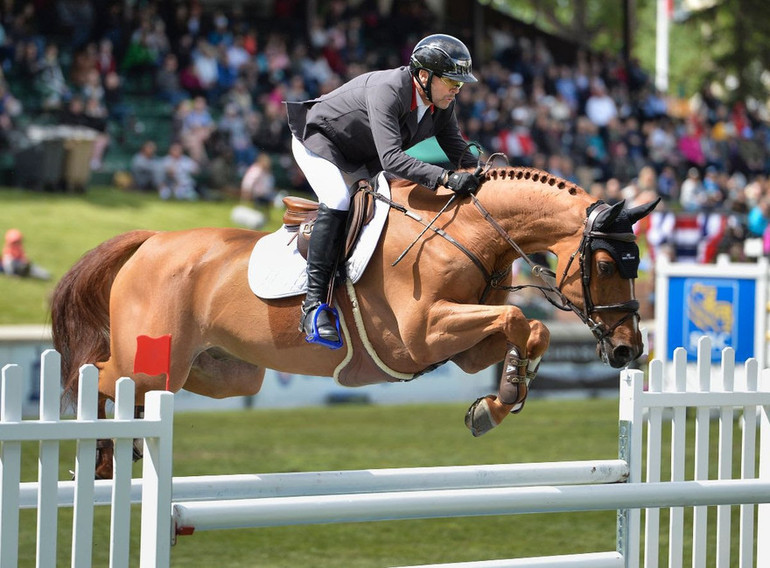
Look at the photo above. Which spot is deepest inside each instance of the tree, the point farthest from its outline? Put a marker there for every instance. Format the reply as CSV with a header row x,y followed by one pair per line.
x,y
725,44
735,36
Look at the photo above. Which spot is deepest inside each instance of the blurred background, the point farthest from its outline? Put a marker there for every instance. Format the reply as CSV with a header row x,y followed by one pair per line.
x,y
111,104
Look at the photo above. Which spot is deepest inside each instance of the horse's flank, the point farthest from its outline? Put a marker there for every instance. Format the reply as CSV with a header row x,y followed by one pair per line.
x,y
80,306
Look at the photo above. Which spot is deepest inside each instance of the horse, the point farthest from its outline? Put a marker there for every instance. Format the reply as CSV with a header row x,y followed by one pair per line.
x,y
446,300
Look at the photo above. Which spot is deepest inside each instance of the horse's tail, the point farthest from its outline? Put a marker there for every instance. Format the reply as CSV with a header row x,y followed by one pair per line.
x,y
80,307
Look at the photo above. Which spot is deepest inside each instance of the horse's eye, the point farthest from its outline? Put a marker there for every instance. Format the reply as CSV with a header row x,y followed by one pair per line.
x,y
606,268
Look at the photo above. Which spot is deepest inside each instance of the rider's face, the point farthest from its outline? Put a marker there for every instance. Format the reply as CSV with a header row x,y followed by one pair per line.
x,y
444,90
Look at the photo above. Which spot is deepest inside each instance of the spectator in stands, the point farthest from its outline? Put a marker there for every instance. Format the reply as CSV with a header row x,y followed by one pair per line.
x,y
10,109
240,96
141,58
167,82
237,54
205,67
668,184
197,127
83,64
105,58
236,130
691,192
271,133
97,113
258,183
759,217
28,62
601,109
713,195
51,83
92,86
117,109
178,175
89,114
146,170
661,143
643,189
690,147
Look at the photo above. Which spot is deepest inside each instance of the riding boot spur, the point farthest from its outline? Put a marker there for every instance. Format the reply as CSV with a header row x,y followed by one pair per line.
x,y
324,249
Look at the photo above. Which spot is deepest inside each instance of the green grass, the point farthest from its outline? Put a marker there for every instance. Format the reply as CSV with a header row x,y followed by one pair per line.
x,y
59,228
365,437
362,437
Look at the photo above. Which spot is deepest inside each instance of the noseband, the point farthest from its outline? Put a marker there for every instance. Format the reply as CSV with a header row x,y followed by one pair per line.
x,y
583,252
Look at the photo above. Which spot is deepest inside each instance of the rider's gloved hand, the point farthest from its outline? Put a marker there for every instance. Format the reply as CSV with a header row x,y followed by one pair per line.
x,y
462,183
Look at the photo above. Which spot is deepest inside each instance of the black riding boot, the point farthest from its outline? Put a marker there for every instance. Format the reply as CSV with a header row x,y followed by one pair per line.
x,y
323,250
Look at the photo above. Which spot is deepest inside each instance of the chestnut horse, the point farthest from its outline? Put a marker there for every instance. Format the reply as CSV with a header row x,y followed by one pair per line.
x,y
445,301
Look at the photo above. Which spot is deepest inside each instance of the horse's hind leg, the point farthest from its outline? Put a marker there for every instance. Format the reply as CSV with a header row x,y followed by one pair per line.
x,y
105,448
118,365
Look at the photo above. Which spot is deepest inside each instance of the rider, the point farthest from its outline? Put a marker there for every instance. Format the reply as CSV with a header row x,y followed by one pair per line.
x,y
363,127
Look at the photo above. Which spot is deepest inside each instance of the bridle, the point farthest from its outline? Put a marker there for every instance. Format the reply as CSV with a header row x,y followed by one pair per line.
x,y
550,286
583,253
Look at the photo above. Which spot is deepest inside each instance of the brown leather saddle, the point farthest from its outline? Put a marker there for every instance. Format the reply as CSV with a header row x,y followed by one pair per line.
x,y
301,213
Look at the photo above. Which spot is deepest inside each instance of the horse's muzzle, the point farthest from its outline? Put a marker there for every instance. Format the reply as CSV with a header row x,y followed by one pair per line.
x,y
616,356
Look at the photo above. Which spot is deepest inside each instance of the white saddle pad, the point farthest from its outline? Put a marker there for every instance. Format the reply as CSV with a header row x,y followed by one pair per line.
x,y
277,270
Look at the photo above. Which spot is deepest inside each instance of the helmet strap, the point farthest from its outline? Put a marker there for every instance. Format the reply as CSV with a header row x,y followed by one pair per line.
x,y
427,86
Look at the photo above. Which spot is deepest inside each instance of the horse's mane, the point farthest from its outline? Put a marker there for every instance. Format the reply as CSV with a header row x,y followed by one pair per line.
x,y
533,174
515,173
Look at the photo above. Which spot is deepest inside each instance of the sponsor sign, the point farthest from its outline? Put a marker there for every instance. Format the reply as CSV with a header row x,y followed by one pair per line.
x,y
721,308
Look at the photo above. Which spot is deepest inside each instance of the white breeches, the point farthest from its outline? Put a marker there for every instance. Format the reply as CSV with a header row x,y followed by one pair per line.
x,y
329,183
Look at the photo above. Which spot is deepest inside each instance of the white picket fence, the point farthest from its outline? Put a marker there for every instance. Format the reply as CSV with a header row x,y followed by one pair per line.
x,y
50,429
184,505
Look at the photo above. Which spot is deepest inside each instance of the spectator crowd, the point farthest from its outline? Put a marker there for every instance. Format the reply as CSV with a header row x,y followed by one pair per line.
x,y
225,73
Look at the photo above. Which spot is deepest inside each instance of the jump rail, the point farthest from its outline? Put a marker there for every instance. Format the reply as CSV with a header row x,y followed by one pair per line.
x,y
258,486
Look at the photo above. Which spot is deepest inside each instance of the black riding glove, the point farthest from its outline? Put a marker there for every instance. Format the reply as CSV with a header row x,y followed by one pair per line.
x,y
462,183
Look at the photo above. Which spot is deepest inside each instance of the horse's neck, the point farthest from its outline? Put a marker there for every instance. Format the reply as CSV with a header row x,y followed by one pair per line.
x,y
537,216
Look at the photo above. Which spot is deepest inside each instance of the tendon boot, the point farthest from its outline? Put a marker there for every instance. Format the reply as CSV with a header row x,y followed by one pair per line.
x,y
319,321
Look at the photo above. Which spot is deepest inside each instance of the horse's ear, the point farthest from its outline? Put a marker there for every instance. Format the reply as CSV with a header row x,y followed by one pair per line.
x,y
608,216
641,211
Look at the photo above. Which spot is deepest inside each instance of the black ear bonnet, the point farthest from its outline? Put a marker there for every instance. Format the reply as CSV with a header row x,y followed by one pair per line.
x,y
612,230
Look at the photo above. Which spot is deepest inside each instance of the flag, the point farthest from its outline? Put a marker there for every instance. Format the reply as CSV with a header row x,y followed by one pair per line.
x,y
153,356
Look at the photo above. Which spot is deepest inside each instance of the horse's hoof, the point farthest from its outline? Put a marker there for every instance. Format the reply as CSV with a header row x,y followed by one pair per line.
x,y
479,418
138,449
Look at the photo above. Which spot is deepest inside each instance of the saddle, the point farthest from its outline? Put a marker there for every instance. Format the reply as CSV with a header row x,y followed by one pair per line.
x,y
301,213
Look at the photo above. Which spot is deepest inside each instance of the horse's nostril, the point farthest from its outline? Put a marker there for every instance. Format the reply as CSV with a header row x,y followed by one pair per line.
x,y
622,353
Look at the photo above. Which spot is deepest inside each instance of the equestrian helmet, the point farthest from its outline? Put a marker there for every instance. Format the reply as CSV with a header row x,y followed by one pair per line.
x,y
443,55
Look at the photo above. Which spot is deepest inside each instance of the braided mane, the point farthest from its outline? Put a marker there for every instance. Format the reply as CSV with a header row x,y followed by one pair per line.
x,y
511,173
533,174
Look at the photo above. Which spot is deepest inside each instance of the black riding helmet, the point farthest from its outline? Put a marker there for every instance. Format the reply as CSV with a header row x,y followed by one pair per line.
x,y
444,56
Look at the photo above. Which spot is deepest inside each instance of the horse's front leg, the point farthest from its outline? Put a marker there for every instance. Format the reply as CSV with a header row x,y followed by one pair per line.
x,y
506,333
517,373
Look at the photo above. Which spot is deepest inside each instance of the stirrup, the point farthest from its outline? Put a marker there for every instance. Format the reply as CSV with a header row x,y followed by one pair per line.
x,y
315,338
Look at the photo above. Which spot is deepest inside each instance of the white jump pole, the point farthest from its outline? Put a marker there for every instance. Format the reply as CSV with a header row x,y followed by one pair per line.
x,y
253,486
281,511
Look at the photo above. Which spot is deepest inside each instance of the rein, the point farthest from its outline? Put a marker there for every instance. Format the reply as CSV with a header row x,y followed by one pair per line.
x,y
598,329
493,280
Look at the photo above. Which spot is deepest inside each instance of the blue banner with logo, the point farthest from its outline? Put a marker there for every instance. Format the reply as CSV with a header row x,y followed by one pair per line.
x,y
721,308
